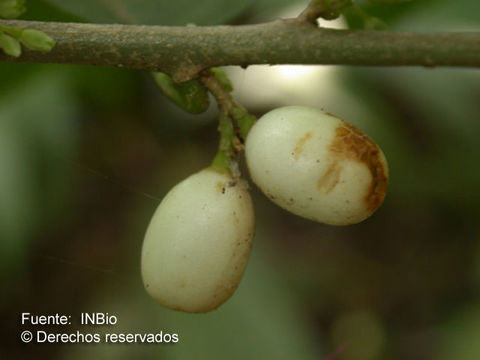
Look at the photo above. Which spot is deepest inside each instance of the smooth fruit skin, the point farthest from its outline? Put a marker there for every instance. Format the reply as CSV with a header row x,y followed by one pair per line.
x,y
316,165
198,242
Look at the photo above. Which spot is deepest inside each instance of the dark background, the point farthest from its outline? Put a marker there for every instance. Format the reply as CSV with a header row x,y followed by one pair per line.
x,y
87,153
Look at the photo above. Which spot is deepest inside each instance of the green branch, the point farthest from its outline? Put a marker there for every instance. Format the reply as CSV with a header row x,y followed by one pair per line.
x,y
183,52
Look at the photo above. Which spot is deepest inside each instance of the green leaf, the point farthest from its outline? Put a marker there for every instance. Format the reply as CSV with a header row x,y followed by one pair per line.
x,y
191,96
160,12
10,45
14,31
11,9
36,40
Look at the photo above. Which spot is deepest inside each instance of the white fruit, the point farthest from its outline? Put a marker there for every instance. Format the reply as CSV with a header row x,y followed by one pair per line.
x,y
198,242
316,165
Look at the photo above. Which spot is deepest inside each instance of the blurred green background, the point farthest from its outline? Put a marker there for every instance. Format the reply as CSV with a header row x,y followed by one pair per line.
x,y
87,153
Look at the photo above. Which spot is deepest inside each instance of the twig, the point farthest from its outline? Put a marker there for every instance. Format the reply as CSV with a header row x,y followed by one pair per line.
x,y
185,51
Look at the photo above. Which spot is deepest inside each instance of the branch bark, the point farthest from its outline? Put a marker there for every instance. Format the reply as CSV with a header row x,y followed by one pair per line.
x,y
183,52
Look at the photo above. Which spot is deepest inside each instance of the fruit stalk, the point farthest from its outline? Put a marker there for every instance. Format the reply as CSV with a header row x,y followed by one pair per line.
x,y
226,150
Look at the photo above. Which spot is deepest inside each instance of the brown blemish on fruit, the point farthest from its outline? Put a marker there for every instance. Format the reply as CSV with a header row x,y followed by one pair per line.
x,y
300,144
330,179
236,220
351,144
220,187
269,195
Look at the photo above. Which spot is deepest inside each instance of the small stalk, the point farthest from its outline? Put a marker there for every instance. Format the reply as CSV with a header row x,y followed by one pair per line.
x,y
243,119
226,151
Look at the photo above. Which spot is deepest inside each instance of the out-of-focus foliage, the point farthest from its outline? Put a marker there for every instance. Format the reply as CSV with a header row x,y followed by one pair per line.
x,y
36,126
87,153
11,9
155,12
248,326
164,12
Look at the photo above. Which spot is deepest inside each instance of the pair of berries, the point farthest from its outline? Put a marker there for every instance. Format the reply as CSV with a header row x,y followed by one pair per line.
x,y
308,162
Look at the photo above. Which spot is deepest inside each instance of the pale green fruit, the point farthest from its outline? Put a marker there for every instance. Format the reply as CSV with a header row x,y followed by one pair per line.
x,y
316,165
198,242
